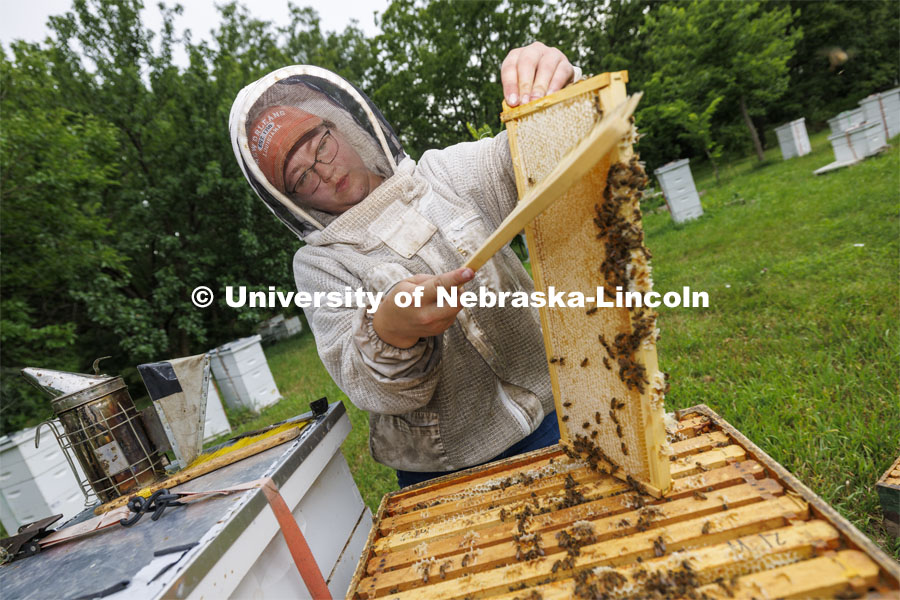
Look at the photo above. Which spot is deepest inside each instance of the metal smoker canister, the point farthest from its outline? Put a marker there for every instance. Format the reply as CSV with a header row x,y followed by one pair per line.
x,y
102,428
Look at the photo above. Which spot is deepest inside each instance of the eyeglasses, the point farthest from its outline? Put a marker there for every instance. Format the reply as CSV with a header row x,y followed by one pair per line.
x,y
309,180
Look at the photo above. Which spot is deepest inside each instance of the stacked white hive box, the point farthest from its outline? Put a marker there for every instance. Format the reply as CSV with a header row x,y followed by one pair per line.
x,y
793,139
278,328
846,120
858,142
864,131
883,108
243,375
216,420
677,184
35,482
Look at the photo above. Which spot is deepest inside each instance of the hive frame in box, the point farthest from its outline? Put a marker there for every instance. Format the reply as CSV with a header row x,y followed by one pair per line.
x,y
608,393
844,538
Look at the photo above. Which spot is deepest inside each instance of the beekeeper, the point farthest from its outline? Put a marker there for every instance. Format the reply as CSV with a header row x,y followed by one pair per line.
x,y
445,388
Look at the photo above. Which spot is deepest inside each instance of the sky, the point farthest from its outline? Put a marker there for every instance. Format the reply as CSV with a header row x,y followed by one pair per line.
x,y
28,20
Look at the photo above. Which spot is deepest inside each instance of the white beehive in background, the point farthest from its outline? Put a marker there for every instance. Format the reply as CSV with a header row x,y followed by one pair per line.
x,y
216,420
243,375
858,142
884,108
677,184
35,482
279,328
792,139
293,326
846,120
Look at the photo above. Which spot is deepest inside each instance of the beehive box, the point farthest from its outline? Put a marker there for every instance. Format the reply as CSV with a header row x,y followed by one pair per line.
x,y
545,525
889,493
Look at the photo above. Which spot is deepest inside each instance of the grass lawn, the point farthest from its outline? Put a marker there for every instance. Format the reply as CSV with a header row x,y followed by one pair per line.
x,y
799,347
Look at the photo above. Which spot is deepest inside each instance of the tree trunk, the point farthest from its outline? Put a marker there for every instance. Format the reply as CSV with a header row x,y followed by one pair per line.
x,y
756,143
711,160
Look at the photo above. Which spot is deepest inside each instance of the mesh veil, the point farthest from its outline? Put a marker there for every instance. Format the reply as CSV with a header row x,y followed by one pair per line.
x,y
325,95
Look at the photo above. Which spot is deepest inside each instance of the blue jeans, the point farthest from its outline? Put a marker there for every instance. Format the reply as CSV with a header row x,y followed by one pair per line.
x,y
545,435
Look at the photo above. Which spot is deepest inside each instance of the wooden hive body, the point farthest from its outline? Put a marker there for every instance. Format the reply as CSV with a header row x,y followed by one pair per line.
x,y
608,395
889,493
545,525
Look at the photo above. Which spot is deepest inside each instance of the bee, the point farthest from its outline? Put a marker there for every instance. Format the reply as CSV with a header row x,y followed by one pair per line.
x,y
554,359
613,469
598,111
620,405
706,527
530,180
592,310
594,434
597,417
444,568
606,364
567,404
585,425
465,559
618,430
699,495
612,403
562,360
565,418
724,505
584,362
659,547
556,566
624,449
700,466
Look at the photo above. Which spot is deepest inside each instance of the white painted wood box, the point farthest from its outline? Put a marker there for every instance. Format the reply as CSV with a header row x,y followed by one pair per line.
x,y
216,420
793,139
845,120
231,546
35,482
677,184
243,375
883,107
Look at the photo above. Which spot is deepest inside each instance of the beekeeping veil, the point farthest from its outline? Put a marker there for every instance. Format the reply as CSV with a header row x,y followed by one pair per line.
x,y
328,97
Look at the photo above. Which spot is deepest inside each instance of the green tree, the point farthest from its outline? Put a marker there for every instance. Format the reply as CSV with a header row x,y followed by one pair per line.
x,y
735,50
120,192
439,65
602,36
56,168
849,50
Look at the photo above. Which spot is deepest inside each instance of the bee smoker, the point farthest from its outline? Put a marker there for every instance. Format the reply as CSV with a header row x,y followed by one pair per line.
x,y
102,429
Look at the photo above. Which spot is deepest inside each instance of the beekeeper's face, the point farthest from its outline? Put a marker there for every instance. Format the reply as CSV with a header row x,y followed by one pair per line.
x,y
323,171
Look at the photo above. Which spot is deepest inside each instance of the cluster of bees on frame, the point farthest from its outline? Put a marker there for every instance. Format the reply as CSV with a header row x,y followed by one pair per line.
x,y
675,579
624,265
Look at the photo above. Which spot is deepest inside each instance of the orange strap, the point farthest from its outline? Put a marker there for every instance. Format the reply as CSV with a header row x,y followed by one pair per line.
x,y
296,542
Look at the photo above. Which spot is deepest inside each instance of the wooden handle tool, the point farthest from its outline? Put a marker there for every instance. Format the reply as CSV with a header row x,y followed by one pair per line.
x,y
573,166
